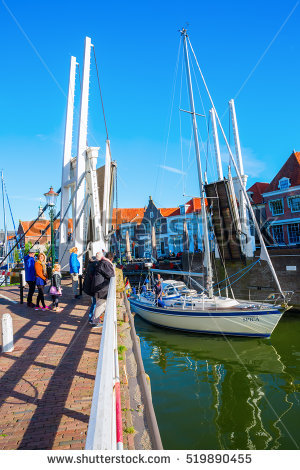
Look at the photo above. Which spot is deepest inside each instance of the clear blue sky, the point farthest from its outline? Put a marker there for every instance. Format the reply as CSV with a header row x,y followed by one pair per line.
x,y
136,45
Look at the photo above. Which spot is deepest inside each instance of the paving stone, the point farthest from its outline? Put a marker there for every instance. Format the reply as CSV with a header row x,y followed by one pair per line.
x,y
47,382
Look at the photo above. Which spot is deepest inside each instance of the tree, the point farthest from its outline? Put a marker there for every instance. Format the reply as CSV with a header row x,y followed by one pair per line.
x,y
28,245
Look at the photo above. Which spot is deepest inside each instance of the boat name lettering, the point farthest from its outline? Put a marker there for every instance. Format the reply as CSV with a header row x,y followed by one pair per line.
x,y
250,319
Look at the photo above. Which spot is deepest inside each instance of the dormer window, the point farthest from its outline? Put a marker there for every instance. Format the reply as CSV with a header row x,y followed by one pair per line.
x,y
284,183
183,209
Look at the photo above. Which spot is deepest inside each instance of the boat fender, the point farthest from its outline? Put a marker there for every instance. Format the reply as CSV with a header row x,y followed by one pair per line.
x,y
161,303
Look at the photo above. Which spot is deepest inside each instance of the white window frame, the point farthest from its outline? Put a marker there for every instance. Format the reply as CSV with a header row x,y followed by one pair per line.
x,y
288,231
271,208
290,202
273,236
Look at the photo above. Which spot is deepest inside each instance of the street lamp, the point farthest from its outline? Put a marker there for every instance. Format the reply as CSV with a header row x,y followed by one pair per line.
x,y
51,201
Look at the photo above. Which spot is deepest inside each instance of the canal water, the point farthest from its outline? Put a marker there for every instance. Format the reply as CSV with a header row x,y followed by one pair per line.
x,y
211,392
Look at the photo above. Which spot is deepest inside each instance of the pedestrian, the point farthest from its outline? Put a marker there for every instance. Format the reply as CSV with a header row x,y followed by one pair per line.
x,y
55,289
74,270
104,270
158,291
87,285
41,279
30,277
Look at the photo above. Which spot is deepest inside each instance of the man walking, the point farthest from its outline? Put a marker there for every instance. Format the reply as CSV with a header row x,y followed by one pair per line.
x,y
30,276
87,285
104,270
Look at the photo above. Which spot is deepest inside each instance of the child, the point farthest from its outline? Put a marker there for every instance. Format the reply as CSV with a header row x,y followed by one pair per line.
x,y
56,287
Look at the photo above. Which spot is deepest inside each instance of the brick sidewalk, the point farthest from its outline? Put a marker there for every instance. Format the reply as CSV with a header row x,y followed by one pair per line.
x,y
47,382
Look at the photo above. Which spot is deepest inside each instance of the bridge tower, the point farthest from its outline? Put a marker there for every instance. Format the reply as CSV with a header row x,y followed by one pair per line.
x,y
91,204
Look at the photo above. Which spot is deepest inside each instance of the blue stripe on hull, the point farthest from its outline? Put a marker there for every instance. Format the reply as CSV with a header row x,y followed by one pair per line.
x,y
223,333
197,313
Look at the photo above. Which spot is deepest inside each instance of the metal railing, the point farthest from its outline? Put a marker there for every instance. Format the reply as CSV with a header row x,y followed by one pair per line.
x,y
105,424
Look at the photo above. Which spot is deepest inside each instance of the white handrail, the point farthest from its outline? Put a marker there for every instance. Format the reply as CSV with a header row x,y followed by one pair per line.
x,y
101,434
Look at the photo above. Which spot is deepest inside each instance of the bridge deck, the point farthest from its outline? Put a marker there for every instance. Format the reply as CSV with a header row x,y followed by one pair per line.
x,y
46,383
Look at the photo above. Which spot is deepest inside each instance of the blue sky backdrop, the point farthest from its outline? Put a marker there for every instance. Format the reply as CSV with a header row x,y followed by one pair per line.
x,y
247,50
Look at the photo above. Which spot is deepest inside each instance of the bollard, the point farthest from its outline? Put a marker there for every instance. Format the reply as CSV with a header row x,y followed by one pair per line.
x,y
80,284
21,277
7,333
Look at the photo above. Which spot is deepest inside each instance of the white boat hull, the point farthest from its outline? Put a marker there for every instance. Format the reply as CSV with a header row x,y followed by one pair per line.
x,y
241,323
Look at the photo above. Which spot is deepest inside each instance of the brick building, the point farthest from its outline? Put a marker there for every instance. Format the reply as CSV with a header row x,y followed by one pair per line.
x,y
277,204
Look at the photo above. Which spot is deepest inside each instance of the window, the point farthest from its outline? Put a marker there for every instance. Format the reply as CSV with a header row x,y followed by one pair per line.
x,y
151,215
294,203
276,206
294,233
284,183
278,234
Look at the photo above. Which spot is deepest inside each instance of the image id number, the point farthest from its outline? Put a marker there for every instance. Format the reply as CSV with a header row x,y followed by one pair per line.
x,y
218,458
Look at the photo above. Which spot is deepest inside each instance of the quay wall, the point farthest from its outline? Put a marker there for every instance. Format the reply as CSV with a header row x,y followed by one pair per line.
x,y
258,283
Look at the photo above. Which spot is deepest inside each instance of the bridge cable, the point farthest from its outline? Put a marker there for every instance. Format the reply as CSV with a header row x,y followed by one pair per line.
x,y
37,241
100,93
23,236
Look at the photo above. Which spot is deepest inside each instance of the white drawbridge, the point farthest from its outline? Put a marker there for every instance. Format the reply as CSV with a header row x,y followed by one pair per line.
x,y
91,211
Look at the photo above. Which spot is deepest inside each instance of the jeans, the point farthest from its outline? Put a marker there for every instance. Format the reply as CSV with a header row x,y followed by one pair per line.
x,y
92,309
99,310
31,285
75,283
40,296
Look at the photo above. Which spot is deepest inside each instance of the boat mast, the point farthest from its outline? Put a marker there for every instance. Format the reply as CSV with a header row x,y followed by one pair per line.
x,y
4,217
264,255
197,149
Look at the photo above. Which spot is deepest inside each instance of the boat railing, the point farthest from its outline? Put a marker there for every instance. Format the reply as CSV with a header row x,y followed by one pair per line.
x,y
277,298
105,424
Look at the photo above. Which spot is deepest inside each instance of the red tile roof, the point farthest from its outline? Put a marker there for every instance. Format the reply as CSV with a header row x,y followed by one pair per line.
x,y
40,225
291,169
169,211
124,216
136,215
195,205
258,189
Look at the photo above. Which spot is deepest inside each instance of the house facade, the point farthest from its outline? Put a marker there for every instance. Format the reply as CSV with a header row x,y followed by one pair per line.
x,y
40,233
278,204
175,229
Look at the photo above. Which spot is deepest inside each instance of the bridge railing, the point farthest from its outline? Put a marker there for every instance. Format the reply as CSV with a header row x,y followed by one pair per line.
x,y
105,424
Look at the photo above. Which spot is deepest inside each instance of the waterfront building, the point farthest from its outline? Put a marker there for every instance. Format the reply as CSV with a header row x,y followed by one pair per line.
x,y
40,233
277,204
176,229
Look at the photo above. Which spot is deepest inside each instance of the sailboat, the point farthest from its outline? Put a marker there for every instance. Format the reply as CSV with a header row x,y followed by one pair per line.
x,y
210,313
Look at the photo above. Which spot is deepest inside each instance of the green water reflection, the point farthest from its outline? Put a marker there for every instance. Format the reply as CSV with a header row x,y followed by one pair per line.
x,y
215,393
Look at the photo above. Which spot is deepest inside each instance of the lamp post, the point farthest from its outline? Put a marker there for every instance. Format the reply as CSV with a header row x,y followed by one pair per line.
x,y
51,201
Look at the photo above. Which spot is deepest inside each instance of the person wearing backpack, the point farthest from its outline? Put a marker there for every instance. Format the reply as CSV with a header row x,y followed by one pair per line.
x,y
104,270
87,285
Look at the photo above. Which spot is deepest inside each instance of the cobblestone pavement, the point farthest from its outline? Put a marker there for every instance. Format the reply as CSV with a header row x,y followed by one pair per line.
x,y
46,383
